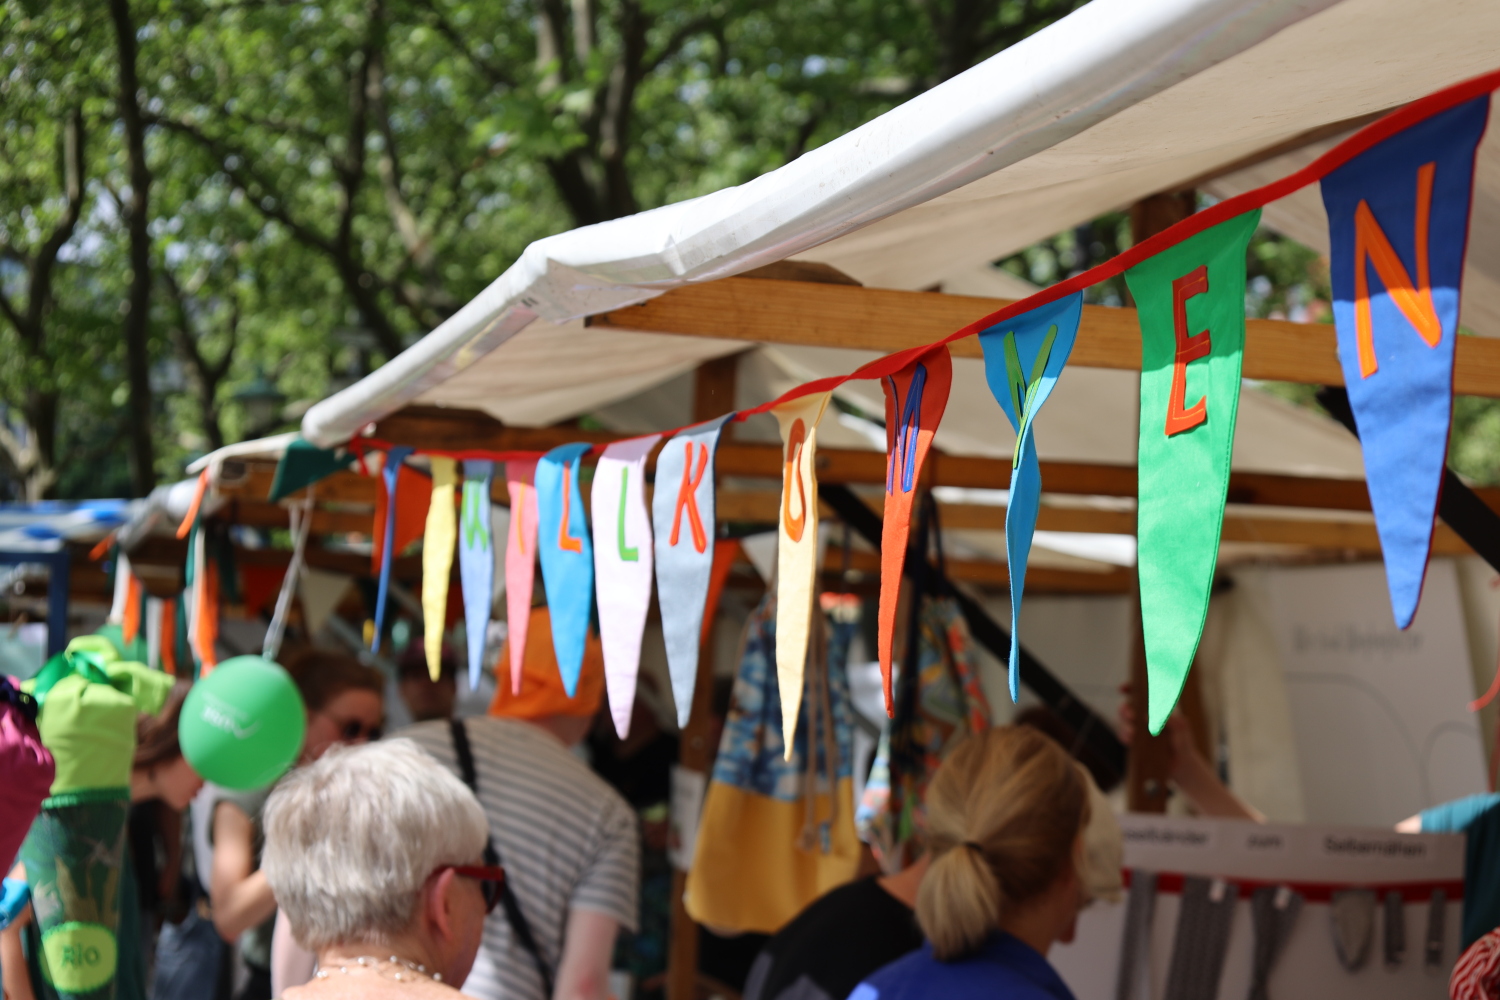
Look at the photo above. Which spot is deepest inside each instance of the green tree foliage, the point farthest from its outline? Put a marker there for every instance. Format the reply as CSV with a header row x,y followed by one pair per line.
x,y
323,181
303,187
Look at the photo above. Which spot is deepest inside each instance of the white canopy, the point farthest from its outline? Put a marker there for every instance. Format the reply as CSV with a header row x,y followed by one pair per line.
x,y
1122,99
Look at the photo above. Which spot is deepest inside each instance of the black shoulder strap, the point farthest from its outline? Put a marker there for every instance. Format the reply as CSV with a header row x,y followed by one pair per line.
x,y
513,915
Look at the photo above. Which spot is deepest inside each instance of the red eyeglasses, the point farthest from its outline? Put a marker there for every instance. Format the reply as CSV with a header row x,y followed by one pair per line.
x,y
491,879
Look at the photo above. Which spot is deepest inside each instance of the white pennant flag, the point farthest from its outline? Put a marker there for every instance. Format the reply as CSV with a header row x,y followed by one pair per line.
x,y
622,567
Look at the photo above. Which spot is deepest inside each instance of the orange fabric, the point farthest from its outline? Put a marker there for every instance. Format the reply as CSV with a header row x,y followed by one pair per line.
x,y
565,541
192,511
131,626
413,497
1413,299
687,498
101,547
913,411
169,636
542,691
1180,416
726,550
206,631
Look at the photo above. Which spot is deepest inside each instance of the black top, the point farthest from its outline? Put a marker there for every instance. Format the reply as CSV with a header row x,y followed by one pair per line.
x,y
831,946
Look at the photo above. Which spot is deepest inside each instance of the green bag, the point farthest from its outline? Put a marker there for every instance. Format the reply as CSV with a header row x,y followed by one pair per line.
x,y
75,851
89,703
74,857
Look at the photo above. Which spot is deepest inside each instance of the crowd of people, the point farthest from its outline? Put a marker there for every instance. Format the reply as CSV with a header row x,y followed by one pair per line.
x,y
486,854
375,864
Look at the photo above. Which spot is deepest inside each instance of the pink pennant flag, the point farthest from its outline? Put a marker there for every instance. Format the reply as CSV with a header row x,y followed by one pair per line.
x,y
520,560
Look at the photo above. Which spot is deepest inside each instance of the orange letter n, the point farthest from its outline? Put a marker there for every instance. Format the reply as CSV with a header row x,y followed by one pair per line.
x,y
1179,417
1415,302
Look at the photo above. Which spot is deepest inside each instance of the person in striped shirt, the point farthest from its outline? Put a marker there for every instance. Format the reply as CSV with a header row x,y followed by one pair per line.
x,y
569,843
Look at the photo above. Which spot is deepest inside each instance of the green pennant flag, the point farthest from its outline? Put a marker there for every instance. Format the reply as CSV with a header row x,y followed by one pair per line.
x,y
303,464
1191,302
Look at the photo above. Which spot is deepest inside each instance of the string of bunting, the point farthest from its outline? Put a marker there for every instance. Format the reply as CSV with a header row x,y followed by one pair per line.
x,y
1397,195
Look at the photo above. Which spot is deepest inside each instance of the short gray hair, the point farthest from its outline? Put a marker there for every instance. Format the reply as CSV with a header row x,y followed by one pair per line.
x,y
352,838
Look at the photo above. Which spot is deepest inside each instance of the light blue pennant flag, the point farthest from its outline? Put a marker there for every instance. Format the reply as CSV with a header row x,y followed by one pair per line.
x,y
567,556
682,518
1022,359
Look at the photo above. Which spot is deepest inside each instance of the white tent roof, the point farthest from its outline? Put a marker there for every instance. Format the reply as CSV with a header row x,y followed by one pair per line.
x,y
1122,99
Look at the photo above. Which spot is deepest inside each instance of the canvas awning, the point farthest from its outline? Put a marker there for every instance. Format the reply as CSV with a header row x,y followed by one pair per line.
x,y
1119,100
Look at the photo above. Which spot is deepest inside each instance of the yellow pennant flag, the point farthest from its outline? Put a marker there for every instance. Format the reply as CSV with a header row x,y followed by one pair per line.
x,y
437,559
797,550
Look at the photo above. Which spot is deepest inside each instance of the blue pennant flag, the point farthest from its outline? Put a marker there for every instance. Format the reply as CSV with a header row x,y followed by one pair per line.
x,y
1398,217
567,556
389,472
1022,359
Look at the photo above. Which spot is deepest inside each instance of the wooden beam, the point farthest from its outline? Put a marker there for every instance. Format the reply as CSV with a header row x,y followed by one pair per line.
x,y
878,319
1039,579
1352,536
442,427
262,514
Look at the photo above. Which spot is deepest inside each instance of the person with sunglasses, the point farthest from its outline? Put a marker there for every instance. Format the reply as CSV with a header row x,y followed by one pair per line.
x,y
374,854
344,701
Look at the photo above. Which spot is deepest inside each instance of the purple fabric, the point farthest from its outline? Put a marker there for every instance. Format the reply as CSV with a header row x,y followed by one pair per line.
x,y
28,770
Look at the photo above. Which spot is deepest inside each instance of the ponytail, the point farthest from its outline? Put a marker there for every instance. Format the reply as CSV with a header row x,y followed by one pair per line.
x,y
1003,813
958,902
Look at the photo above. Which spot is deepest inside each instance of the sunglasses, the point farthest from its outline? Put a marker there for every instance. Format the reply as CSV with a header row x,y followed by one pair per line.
x,y
491,879
351,730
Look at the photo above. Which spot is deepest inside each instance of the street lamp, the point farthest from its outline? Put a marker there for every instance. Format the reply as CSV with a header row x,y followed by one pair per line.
x,y
262,403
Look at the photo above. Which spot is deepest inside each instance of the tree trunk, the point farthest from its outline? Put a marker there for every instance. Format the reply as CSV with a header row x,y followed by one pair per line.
x,y
41,476
137,208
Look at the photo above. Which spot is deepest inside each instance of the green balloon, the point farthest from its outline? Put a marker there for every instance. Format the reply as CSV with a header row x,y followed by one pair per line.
x,y
242,725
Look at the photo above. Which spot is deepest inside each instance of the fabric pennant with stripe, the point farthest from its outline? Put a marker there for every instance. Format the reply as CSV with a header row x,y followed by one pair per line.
x,y
1191,305
915,398
476,560
1398,218
796,550
1023,358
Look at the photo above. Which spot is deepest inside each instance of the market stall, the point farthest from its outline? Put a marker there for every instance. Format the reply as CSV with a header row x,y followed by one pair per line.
x,y
792,297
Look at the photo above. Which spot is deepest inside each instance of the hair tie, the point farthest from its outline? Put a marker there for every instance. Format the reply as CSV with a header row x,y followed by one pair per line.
x,y
973,847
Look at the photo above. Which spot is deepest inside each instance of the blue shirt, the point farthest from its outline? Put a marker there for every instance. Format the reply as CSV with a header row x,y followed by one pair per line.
x,y
1006,968
1478,816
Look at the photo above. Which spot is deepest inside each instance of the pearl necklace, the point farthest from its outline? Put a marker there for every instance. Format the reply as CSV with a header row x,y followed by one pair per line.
x,y
366,962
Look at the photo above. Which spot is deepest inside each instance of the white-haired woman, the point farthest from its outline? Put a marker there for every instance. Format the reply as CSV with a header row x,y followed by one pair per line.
x,y
374,855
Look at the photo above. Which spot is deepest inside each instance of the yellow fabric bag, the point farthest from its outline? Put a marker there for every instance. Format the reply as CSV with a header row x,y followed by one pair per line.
x,y
772,838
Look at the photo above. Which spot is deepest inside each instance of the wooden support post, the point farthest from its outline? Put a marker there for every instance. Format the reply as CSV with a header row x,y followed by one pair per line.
x,y
713,395
1150,760
1150,766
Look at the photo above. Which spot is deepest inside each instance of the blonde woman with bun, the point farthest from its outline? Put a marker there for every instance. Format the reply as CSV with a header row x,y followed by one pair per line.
x,y
1011,866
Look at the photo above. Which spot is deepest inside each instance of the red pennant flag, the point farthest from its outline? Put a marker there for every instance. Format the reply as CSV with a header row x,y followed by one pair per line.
x,y
259,587
915,398
413,497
